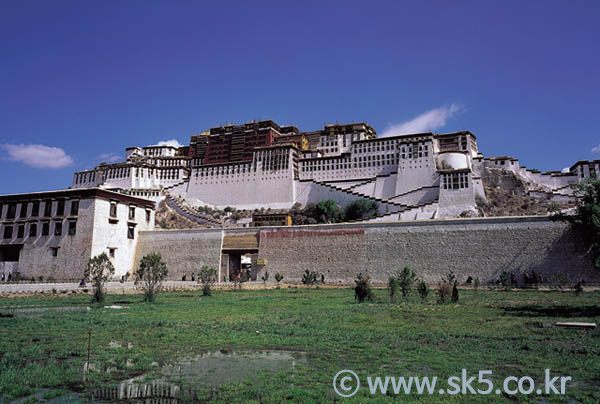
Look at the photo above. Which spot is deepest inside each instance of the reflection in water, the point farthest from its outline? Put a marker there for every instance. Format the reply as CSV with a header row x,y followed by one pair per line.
x,y
199,372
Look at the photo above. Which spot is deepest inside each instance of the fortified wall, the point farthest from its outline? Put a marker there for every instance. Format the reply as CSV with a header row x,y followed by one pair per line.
x,y
483,247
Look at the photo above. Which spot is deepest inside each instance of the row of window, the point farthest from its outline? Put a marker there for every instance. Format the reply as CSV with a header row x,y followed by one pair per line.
x,y
131,214
9,230
455,180
389,145
33,229
22,208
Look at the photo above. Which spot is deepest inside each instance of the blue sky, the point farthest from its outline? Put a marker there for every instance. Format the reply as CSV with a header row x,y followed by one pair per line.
x,y
82,80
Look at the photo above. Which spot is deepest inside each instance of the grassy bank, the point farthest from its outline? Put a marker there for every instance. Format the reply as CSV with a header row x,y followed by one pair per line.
x,y
495,330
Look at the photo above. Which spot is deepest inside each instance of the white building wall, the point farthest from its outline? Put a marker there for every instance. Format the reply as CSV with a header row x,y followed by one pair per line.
x,y
111,232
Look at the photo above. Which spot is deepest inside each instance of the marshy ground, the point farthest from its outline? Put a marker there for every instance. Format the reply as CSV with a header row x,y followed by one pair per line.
x,y
272,346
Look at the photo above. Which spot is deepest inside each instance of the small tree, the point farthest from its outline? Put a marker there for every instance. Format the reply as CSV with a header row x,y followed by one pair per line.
x,y
423,290
207,278
444,292
393,286
309,278
265,278
361,209
450,278
278,278
454,293
99,270
586,221
150,275
559,280
362,290
578,287
406,279
328,212
505,280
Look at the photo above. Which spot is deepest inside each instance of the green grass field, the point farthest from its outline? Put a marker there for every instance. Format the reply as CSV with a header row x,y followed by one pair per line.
x,y
495,330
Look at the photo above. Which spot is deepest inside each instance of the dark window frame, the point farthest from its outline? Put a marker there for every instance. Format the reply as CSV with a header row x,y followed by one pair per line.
x,y
12,211
72,227
8,232
58,228
45,228
60,207
131,232
35,209
47,208
33,230
23,210
74,208
113,209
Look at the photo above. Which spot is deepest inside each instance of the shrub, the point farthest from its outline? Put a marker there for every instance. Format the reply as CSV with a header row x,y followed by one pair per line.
x,y
278,278
309,278
454,293
444,292
328,212
586,221
450,278
559,280
362,290
265,277
476,284
207,278
505,280
360,209
150,275
99,270
393,286
532,279
578,287
406,280
423,290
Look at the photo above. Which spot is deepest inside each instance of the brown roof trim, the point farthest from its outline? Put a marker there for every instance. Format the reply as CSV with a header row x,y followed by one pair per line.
x,y
79,193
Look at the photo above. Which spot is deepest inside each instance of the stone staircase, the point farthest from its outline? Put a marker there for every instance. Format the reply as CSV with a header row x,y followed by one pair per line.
x,y
189,213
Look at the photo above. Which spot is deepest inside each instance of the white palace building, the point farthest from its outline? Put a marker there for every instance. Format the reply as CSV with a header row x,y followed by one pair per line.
x,y
260,164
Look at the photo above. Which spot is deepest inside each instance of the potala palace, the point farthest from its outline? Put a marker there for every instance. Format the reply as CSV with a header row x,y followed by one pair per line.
x,y
412,178
261,164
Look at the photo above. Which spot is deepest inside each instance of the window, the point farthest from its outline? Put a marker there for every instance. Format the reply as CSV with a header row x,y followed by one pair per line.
x,y
148,215
12,211
60,207
23,211
130,232
8,230
1,208
47,208
455,181
33,230
74,208
72,227
132,213
111,252
45,228
35,209
113,209
57,228
54,251
21,231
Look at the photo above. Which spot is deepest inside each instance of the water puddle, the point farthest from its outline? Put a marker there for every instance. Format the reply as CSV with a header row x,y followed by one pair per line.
x,y
209,370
